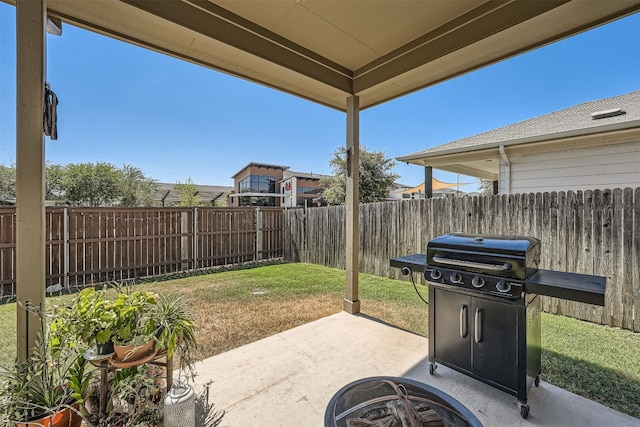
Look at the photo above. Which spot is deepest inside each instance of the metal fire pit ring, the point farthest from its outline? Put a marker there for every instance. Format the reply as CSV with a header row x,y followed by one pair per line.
x,y
382,395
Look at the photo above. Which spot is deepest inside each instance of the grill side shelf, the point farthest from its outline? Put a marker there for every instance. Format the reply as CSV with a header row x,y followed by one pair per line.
x,y
570,286
417,263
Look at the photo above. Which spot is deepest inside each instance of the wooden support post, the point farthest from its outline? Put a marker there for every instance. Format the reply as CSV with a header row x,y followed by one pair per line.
x,y
31,20
351,303
428,182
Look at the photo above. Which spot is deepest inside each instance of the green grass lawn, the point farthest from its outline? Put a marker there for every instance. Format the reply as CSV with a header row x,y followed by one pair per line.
x,y
240,306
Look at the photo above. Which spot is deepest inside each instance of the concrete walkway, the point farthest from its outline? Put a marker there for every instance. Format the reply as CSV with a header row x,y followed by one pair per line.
x,y
289,378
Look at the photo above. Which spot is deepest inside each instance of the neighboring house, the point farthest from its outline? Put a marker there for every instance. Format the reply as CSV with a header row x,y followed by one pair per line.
x,y
595,145
261,184
167,195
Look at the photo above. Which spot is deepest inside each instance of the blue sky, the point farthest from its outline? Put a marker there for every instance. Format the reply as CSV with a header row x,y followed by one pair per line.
x,y
126,105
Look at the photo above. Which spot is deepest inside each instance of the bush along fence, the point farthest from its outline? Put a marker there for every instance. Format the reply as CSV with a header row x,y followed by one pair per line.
x,y
591,232
86,246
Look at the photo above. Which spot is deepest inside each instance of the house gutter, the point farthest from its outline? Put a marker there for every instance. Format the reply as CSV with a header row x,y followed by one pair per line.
x,y
505,171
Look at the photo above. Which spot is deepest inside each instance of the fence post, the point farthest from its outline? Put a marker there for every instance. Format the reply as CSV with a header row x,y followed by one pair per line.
x,y
258,234
195,238
65,247
184,240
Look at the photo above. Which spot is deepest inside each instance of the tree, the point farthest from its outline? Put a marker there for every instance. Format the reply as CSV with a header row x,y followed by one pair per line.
x,y
188,194
7,182
92,184
54,182
376,177
485,187
135,188
88,184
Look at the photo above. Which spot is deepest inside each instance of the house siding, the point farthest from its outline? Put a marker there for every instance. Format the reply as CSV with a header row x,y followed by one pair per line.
x,y
610,166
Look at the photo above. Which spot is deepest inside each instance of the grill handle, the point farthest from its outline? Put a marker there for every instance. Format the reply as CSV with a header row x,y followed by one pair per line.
x,y
463,321
505,266
478,325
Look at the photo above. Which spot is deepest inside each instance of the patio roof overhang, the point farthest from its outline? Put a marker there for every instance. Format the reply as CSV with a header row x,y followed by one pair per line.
x,y
325,51
345,54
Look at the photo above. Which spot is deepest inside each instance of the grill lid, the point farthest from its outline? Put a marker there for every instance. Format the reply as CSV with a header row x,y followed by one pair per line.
x,y
499,245
515,257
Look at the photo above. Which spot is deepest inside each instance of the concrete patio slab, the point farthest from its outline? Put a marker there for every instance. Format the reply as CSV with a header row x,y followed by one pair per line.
x,y
289,378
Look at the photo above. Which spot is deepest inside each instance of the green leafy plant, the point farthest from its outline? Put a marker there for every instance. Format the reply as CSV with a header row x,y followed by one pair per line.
x,y
78,380
134,322
176,328
91,315
52,379
135,398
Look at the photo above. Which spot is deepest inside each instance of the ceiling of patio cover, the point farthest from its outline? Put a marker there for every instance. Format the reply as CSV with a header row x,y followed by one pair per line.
x,y
327,50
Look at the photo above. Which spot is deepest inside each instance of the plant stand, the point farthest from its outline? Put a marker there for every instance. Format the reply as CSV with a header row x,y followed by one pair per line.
x,y
105,366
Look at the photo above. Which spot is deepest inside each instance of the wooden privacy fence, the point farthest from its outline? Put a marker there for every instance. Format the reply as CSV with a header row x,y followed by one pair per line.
x,y
591,232
95,245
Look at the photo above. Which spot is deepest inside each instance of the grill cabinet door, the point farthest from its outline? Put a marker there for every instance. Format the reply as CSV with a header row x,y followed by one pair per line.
x,y
494,341
452,323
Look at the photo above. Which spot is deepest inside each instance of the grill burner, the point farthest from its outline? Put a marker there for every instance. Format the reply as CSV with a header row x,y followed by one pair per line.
x,y
484,313
395,402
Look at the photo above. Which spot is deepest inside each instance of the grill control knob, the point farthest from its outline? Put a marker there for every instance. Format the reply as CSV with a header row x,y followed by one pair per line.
x,y
503,286
456,278
436,274
477,282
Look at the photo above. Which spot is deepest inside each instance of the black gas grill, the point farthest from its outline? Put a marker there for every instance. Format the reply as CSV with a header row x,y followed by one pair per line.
x,y
484,315
488,265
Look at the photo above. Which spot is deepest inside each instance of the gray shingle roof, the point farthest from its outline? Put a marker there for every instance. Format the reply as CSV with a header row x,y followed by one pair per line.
x,y
572,121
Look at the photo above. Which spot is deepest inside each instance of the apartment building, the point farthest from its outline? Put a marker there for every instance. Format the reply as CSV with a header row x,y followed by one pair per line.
x,y
261,184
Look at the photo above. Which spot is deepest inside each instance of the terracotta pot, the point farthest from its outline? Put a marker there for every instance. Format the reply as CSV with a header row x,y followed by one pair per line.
x,y
130,353
63,418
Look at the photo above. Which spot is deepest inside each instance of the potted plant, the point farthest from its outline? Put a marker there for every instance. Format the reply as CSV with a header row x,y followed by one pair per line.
x,y
47,389
175,327
134,326
91,314
136,397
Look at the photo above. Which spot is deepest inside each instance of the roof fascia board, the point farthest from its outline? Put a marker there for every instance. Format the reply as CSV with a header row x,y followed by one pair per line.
x,y
463,31
204,18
